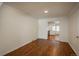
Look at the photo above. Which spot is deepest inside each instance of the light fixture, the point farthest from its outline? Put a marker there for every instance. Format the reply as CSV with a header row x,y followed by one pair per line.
x,y
45,11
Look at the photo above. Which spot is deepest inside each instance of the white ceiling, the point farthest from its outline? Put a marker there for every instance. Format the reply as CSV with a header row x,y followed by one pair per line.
x,y
36,9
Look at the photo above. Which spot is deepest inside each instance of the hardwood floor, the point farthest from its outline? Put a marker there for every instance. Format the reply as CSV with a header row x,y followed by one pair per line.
x,y
42,47
51,37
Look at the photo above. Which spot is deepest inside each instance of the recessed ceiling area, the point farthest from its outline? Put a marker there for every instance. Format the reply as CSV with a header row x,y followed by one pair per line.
x,y
36,9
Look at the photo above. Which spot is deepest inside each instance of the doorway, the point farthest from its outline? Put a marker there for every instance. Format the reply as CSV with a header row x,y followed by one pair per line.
x,y
53,30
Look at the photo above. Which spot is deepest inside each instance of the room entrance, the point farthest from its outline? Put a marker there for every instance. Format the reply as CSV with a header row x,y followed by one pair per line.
x,y
53,30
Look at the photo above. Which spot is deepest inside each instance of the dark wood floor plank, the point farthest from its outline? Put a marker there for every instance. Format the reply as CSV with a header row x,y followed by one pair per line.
x,y
42,47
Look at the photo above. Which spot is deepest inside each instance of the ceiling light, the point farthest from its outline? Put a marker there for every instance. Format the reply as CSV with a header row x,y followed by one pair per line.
x,y
45,11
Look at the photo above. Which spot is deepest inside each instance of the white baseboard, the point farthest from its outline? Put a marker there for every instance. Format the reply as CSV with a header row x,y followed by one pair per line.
x,y
16,48
73,47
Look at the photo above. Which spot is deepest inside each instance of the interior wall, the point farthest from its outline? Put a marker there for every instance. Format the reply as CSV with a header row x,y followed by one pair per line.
x,y
1,3
74,31
16,29
43,28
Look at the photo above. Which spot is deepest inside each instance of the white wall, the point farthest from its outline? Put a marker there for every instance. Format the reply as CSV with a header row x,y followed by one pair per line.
x,y
63,29
1,4
16,29
43,28
74,31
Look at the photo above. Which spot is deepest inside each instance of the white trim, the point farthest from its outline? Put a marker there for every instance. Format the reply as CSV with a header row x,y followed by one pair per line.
x,y
72,46
16,47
